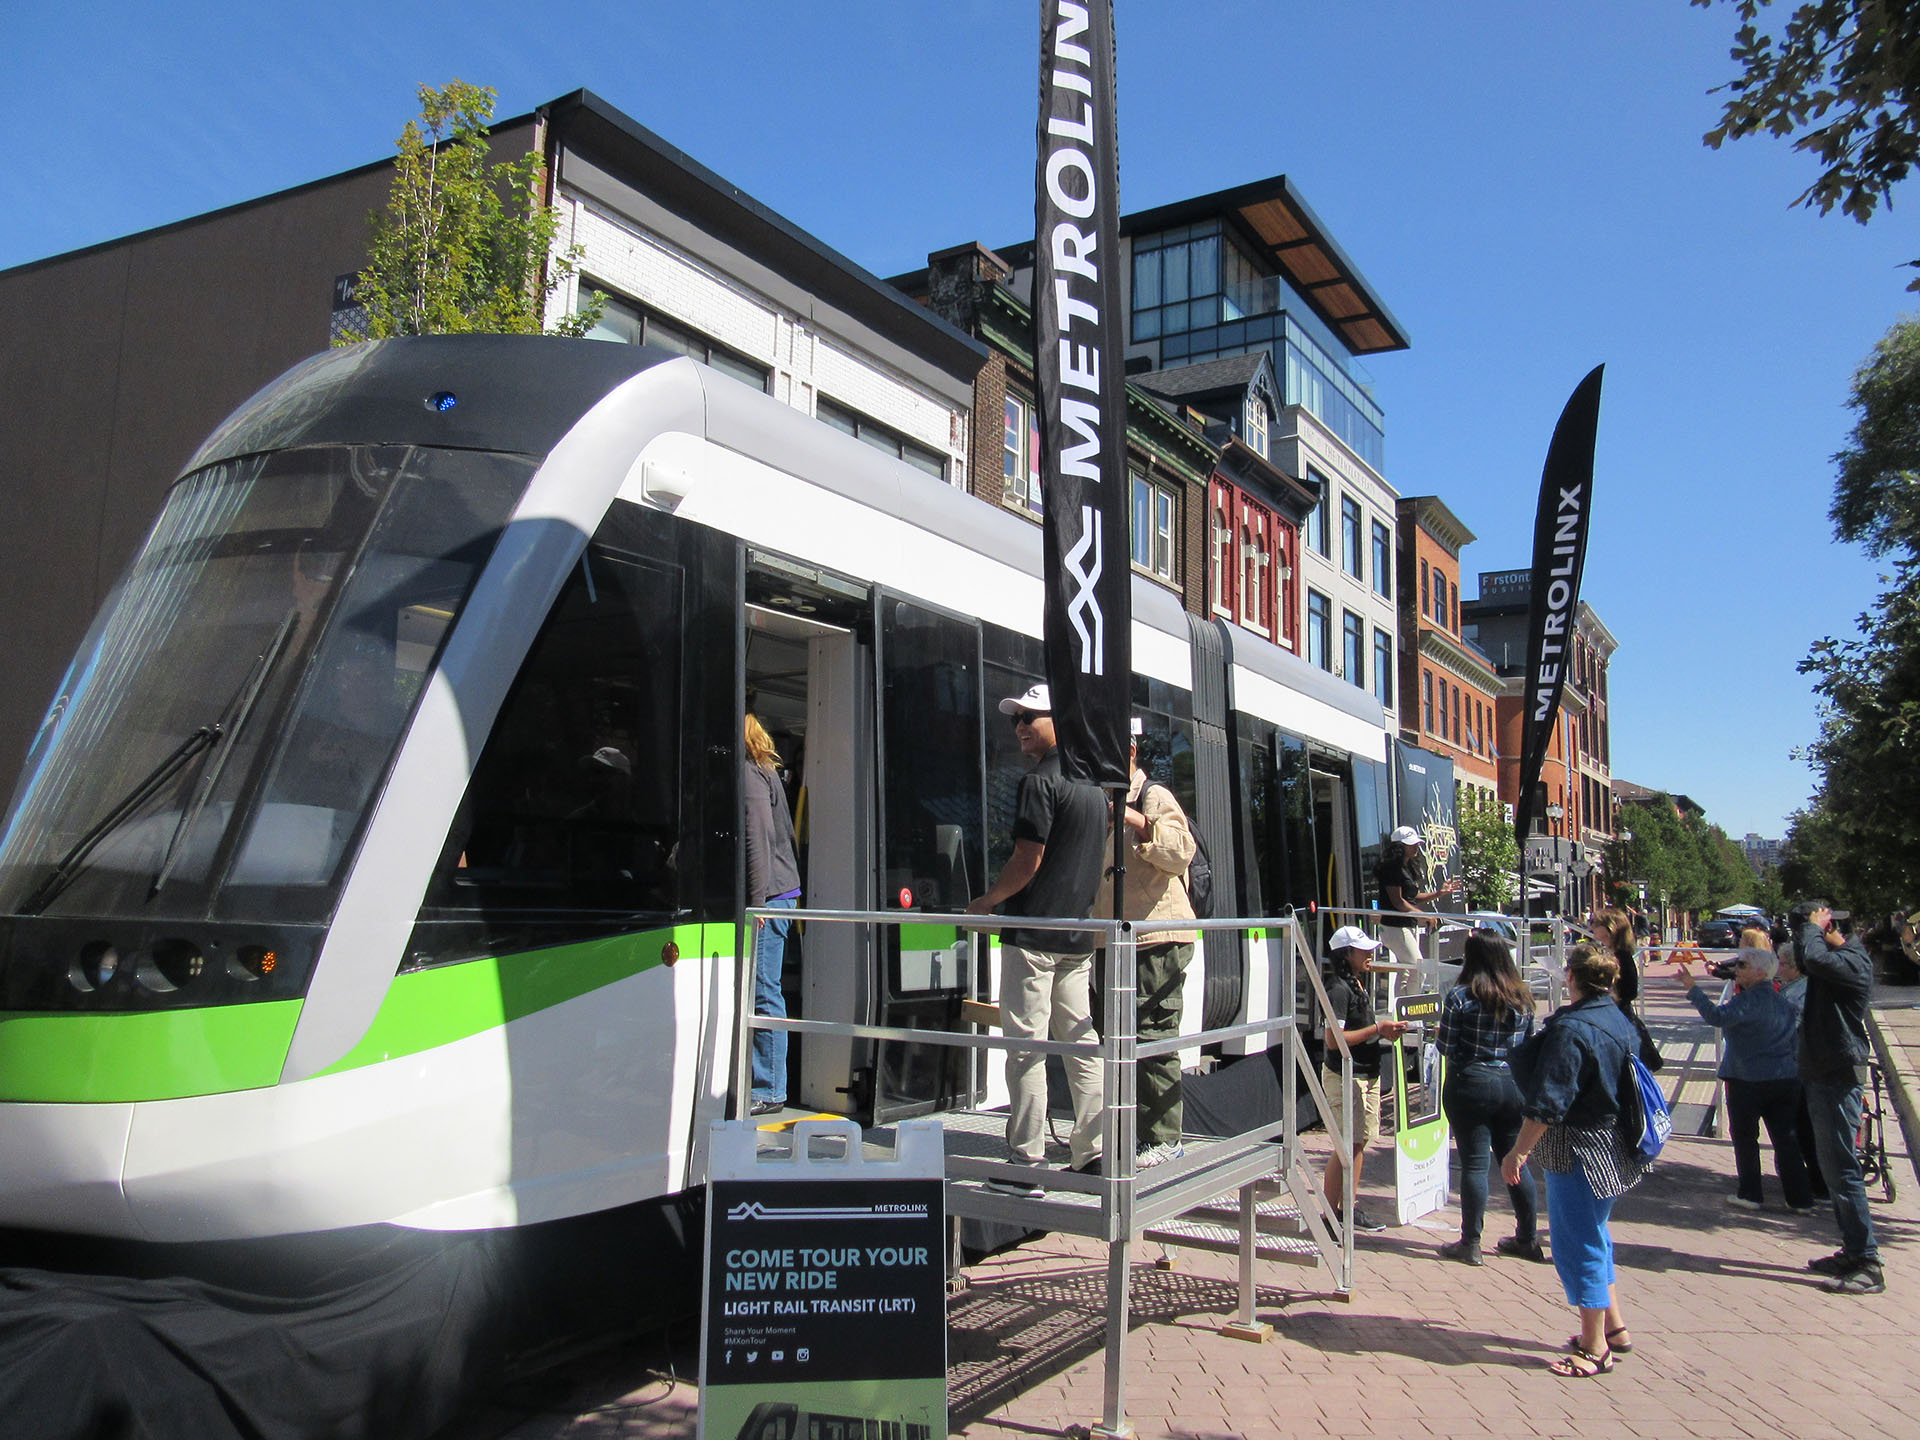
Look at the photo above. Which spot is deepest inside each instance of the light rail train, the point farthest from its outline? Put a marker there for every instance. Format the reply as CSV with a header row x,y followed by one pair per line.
x,y
377,861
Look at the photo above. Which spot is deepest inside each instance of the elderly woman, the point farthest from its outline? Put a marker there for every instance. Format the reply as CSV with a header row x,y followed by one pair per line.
x,y
1793,989
1569,1076
1758,1067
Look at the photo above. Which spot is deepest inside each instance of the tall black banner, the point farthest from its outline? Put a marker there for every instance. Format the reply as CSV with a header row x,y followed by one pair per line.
x,y
1559,555
1078,360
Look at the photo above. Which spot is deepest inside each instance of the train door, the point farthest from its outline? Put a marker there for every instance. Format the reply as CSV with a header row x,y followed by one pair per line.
x,y
931,846
807,666
874,703
1336,885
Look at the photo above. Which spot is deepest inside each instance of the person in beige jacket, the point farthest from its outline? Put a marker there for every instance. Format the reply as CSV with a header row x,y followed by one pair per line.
x,y
1159,849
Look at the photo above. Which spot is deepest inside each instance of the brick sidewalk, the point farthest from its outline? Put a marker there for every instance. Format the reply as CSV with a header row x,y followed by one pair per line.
x,y
1733,1338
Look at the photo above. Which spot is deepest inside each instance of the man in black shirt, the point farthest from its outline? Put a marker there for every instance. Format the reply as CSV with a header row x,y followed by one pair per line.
x,y
1401,898
1350,957
1834,1049
1059,837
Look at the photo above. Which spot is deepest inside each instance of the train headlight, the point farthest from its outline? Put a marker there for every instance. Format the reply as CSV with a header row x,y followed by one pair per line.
x,y
171,965
96,964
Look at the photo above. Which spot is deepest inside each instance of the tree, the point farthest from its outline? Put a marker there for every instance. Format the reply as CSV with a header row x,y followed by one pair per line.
x,y
1663,852
1860,840
1728,876
1876,493
1843,76
463,246
1489,856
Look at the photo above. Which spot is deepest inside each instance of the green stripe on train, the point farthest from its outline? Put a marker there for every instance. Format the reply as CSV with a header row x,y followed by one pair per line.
x,y
427,1008
157,1055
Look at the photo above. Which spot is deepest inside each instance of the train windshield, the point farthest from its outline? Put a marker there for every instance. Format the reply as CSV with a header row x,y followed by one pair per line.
x,y
218,739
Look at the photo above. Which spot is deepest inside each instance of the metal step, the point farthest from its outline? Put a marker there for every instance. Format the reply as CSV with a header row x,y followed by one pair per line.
x,y
1280,1234
1190,1234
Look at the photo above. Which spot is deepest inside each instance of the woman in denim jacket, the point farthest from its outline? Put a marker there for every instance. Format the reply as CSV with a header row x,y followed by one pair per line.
x,y
1569,1077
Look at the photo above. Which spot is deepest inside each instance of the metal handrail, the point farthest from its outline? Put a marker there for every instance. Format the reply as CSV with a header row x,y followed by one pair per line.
x,y
1119,1049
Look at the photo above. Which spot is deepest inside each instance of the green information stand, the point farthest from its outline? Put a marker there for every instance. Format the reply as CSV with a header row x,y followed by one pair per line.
x,y
1420,1140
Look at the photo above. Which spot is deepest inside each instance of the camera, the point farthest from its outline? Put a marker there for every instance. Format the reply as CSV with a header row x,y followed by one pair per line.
x,y
1722,969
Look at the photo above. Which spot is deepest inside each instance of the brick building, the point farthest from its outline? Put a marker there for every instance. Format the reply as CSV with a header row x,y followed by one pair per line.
x,y
1448,689
1578,814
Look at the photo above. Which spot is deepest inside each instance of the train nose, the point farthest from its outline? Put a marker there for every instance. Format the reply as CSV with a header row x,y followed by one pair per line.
x,y
61,1168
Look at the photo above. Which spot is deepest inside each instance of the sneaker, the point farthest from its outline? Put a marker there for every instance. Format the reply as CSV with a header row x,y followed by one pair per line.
x,y
1523,1249
1838,1263
1467,1252
1148,1156
767,1107
1024,1189
1865,1278
1364,1221
1740,1202
1801,1209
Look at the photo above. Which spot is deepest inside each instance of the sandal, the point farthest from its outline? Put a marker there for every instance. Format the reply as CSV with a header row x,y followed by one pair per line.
x,y
1581,1365
1614,1347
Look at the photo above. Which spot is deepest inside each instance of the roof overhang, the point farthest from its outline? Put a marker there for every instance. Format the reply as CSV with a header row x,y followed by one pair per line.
x,y
1281,226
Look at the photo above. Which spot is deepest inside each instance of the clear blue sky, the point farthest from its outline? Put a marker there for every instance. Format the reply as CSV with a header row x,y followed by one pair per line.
x,y
1523,184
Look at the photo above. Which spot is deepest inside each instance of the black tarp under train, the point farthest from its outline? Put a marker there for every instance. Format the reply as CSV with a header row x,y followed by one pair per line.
x,y
380,1332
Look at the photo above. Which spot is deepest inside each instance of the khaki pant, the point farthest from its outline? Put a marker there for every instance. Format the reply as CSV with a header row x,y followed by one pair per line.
x,y
1048,997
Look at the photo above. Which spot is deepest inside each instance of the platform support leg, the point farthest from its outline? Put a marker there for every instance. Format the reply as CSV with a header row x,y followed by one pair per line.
x,y
1114,1424
1244,1326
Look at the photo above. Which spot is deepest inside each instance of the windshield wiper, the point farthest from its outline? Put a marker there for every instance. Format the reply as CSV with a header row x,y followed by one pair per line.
x,y
69,866
70,863
227,728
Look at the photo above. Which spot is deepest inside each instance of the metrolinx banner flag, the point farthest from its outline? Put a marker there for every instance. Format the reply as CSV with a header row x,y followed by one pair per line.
x,y
1559,555
1083,393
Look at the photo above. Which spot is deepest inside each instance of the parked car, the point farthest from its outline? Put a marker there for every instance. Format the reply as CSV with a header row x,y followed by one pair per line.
x,y
1722,932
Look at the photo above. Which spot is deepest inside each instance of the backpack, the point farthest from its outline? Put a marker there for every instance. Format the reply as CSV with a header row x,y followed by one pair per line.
x,y
1645,1123
1199,879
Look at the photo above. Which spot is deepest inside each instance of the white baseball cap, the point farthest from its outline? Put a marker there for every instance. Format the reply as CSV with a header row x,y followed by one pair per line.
x,y
1352,937
1037,699
1406,835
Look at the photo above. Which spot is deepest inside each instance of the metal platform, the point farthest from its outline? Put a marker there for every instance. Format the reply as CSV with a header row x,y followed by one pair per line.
x,y
1087,1204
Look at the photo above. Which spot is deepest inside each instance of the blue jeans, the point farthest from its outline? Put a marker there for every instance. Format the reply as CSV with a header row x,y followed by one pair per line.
x,y
1582,1243
1483,1110
1835,1110
770,1046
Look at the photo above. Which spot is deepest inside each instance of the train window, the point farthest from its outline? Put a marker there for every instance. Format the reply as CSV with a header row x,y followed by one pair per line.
x,y
575,804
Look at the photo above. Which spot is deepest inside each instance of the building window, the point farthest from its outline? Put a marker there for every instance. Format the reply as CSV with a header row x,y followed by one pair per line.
x,y
1424,587
1453,608
1353,648
1382,560
1318,517
1020,456
1383,668
1256,568
1257,425
1154,508
1319,630
627,323
872,432
1440,599
1225,571
1441,708
1426,700
1350,535
1456,714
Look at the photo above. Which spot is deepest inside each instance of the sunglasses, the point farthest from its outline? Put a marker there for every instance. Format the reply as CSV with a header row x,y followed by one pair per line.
x,y
1027,717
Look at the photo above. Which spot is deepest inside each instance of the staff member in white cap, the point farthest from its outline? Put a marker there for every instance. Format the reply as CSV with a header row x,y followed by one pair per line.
x,y
1046,989
1349,958
1400,895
